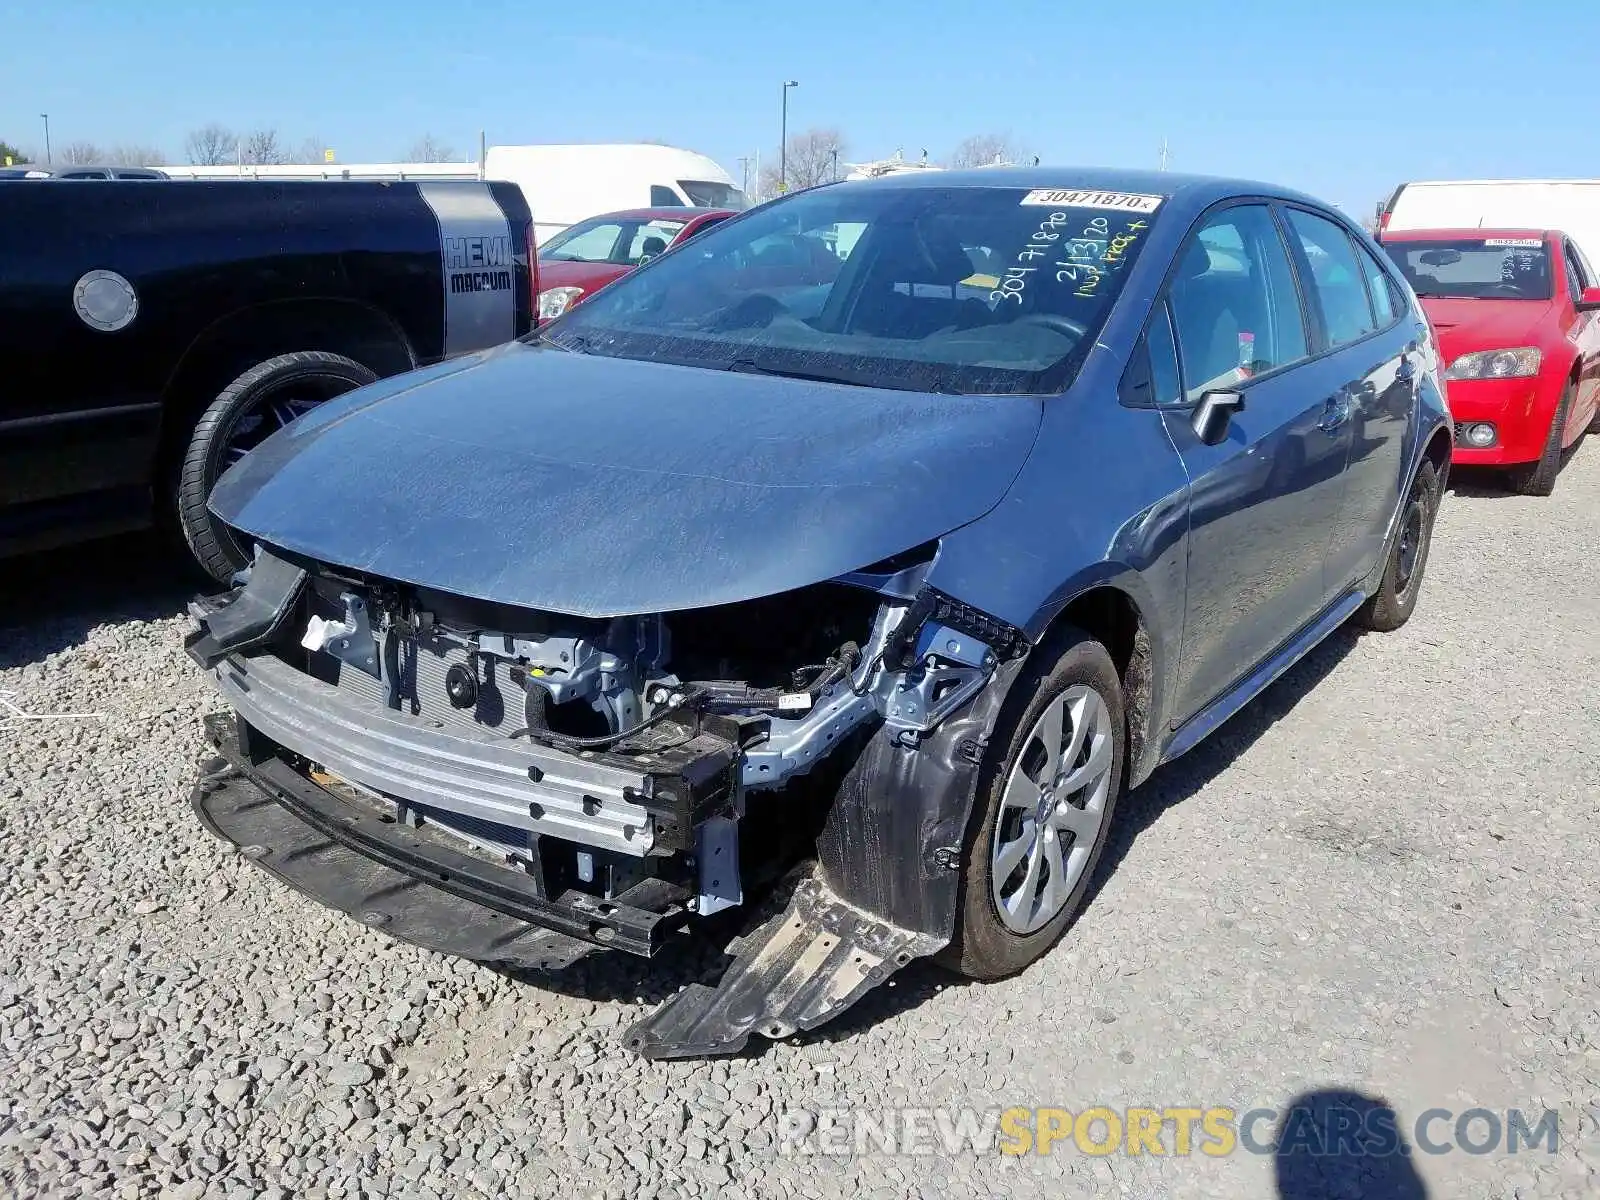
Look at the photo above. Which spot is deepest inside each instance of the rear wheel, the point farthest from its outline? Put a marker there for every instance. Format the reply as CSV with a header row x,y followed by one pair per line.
x,y
1539,478
245,413
1392,604
1043,812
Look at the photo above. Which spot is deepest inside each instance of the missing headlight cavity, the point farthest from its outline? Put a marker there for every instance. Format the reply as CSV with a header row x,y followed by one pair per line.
x,y
613,778
787,677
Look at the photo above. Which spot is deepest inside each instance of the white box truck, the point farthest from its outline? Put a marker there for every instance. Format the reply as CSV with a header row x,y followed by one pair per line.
x,y
1570,205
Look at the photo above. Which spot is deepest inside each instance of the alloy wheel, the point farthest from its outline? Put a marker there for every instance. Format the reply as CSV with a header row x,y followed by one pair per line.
x,y
1052,810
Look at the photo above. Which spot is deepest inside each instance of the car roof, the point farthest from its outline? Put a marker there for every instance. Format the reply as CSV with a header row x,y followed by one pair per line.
x,y
73,168
1191,189
1474,232
664,213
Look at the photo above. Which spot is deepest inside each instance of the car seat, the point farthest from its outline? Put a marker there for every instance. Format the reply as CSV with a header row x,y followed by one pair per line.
x,y
651,247
910,290
1205,314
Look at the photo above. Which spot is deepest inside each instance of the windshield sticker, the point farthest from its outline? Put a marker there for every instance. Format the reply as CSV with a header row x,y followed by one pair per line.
x,y
1082,257
1080,198
1527,243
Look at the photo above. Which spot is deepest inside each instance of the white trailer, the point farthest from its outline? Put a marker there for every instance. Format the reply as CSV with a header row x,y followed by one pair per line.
x,y
563,184
1570,205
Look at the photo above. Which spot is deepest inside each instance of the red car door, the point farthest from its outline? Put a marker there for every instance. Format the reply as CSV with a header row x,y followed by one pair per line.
x,y
1582,329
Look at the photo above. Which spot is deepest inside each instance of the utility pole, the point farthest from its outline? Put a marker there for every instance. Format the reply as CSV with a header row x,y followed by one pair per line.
x,y
835,153
45,117
783,139
744,173
1166,155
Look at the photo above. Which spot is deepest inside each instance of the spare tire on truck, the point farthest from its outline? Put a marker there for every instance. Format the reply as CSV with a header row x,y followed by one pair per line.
x,y
255,405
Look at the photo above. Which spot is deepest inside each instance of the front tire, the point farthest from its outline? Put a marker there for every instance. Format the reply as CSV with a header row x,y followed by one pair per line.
x,y
1539,478
1395,600
256,404
1044,809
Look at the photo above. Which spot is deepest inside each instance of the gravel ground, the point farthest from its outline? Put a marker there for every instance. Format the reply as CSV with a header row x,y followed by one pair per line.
x,y
1379,880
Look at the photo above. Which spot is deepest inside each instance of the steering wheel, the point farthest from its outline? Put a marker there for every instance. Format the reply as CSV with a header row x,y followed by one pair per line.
x,y
1056,322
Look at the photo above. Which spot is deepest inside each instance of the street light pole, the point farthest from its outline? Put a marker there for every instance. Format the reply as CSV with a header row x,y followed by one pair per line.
x,y
836,164
45,117
783,139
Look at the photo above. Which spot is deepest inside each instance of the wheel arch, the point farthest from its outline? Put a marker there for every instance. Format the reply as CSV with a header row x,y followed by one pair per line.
x,y
1111,614
238,341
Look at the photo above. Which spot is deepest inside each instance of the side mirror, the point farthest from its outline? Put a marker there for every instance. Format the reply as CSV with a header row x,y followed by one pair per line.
x,y
1213,414
1590,300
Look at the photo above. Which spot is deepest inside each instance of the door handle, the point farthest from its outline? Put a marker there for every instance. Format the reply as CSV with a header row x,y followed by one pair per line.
x,y
1335,412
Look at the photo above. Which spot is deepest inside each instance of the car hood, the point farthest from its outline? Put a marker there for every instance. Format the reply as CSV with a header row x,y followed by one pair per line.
x,y
600,486
589,276
1466,325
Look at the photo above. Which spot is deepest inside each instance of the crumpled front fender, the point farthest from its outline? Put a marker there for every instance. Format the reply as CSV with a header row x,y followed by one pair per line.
x,y
893,842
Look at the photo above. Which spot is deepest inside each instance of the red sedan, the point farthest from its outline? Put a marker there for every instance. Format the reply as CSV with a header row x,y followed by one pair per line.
x,y
1515,314
583,258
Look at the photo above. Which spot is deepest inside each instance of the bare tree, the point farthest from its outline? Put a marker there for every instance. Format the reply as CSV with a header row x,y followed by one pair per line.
x,y
985,149
210,145
813,157
310,150
14,153
262,148
135,155
78,153
429,149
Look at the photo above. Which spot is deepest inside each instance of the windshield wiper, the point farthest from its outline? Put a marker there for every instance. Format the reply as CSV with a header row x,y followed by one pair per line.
x,y
749,366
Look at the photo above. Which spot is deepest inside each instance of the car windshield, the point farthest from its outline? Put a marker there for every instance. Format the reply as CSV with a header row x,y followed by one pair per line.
x,y
705,194
1481,268
620,241
945,289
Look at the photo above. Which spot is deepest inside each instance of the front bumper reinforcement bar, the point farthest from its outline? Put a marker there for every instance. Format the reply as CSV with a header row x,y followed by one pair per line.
x,y
410,882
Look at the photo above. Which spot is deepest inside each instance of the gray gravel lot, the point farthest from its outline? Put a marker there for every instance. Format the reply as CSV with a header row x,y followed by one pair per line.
x,y
1379,879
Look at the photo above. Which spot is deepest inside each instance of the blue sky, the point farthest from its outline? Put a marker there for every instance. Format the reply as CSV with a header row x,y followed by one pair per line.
x,y
1344,100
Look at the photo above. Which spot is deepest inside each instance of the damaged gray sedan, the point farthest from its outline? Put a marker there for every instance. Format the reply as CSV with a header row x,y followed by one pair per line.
x,y
881,536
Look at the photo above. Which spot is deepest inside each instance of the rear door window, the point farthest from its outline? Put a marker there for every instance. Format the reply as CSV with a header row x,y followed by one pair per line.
x,y
1380,288
662,196
1336,278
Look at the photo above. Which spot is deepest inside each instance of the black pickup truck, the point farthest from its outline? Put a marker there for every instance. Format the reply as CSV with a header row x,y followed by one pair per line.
x,y
150,335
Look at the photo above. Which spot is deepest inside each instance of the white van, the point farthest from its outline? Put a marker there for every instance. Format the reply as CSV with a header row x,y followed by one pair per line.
x,y
563,184
1570,205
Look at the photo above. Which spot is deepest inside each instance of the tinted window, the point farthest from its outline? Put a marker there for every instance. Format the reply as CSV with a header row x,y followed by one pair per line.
x,y
1379,287
1165,385
1475,268
1335,277
650,239
1234,304
1586,266
661,196
1577,278
883,287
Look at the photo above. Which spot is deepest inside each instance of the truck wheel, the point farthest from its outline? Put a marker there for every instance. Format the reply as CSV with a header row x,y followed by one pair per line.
x,y
1392,604
258,403
1043,812
1539,478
